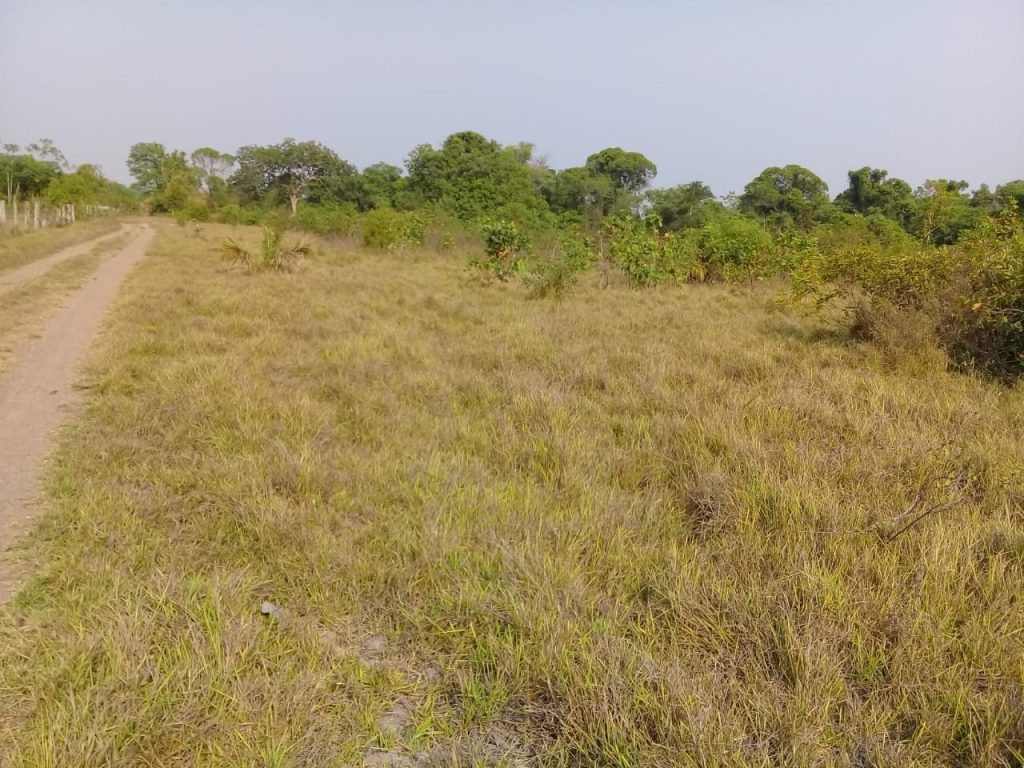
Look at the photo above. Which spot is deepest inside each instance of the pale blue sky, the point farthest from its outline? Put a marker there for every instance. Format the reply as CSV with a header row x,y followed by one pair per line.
x,y
714,91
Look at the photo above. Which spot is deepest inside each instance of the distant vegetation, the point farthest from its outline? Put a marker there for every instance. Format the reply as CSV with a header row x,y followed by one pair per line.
x,y
941,258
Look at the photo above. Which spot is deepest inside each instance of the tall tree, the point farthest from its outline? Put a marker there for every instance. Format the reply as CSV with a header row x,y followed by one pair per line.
x,y
166,178
472,177
212,166
871,191
785,196
294,170
682,206
629,172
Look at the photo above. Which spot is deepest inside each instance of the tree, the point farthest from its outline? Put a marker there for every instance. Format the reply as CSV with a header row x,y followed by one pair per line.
x,y
871,191
629,172
474,177
943,211
166,178
46,151
294,170
1012,190
381,185
786,196
578,190
682,206
213,167
25,176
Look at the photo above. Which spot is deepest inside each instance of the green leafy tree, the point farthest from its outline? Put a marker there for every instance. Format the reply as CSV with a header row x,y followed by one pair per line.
x,y
629,172
786,196
473,178
25,176
943,211
578,190
1011,191
871,191
165,178
292,171
381,185
681,207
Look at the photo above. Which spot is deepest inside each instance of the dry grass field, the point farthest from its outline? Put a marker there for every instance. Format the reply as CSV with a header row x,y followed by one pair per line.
x,y
378,512
18,248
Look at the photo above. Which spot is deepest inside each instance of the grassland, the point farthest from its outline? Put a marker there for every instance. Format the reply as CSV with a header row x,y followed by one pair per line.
x,y
661,527
23,247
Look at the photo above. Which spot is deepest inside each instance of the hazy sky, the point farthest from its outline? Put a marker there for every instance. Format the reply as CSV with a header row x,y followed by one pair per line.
x,y
714,91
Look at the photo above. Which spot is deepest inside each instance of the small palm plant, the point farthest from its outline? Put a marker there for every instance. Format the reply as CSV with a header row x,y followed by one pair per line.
x,y
273,253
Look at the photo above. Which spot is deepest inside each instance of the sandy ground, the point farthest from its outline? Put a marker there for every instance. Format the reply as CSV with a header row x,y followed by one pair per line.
x,y
37,394
39,266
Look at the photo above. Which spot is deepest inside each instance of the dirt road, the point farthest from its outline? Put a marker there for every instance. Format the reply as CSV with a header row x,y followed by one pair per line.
x,y
37,394
39,266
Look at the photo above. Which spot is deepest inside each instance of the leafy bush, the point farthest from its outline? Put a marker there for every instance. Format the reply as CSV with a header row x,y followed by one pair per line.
x,y
327,219
273,253
504,246
647,255
732,247
387,229
555,273
193,210
971,294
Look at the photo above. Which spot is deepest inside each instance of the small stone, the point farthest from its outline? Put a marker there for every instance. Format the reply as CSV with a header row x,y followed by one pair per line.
x,y
274,611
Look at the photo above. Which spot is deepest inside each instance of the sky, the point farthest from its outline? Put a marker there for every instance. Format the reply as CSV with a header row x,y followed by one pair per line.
x,y
710,91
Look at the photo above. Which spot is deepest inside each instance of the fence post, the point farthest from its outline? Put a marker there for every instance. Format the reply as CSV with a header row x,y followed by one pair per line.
x,y
72,213
3,211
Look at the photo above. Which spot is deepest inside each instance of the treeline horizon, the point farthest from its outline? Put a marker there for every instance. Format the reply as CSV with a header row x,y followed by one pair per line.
x,y
472,178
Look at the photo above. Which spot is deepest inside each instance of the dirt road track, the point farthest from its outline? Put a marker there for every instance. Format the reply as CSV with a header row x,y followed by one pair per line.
x,y
36,395
35,268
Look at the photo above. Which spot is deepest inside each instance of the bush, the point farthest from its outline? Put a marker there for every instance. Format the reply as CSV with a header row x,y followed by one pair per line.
x,y
734,247
554,274
193,210
971,294
648,256
327,219
387,229
504,246
233,213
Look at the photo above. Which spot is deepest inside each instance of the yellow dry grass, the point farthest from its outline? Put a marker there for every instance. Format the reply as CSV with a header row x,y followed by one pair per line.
x,y
626,528
19,248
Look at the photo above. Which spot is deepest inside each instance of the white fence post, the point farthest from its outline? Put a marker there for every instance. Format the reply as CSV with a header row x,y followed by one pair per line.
x,y
3,211
35,214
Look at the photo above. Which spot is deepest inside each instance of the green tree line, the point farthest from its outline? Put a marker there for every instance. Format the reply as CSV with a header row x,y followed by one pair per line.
x,y
474,179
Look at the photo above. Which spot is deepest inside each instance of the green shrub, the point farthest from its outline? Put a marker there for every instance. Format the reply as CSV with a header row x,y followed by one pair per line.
x,y
387,229
504,247
647,255
732,247
971,294
555,272
327,219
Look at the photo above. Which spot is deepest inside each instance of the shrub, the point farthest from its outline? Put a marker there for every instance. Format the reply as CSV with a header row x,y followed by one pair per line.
x,y
557,272
273,253
327,219
733,247
971,294
504,246
648,256
387,229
